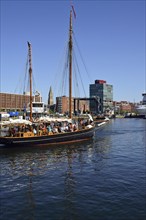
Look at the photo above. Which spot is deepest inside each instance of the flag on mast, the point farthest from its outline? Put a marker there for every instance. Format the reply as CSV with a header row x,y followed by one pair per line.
x,y
73,9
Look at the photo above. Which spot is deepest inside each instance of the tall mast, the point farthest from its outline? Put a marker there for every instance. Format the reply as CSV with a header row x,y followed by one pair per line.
x,y
30,77
70,66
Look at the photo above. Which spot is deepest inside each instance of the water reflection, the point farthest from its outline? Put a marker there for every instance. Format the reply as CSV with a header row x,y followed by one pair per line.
x,y
34,162
31,199
62,182
69,186
25,170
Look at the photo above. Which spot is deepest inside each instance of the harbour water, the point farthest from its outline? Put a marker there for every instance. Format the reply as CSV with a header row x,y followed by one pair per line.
x,y
104,179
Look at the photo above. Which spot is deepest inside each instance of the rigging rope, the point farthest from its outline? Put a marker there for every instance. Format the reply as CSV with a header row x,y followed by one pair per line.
x,y
25,77
62,88
82,58
79,75
76,89
60,84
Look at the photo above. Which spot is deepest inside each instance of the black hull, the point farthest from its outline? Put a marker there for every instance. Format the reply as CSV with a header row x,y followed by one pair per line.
x,y
61,138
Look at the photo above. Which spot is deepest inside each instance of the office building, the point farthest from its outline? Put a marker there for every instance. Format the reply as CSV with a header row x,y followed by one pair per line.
x,y
103,92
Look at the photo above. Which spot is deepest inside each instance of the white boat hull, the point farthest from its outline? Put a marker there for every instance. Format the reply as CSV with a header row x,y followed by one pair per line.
x,y
141,110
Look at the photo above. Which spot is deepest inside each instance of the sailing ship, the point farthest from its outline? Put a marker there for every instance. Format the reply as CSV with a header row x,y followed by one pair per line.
x,y
29,138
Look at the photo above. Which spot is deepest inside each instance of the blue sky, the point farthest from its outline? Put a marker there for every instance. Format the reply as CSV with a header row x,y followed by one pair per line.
x,y
110,36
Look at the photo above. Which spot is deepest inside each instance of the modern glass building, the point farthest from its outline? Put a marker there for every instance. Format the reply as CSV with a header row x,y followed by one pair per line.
x,y
103,92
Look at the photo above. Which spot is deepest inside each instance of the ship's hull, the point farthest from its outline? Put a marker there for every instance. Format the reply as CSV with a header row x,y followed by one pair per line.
x,y
60,138
141,110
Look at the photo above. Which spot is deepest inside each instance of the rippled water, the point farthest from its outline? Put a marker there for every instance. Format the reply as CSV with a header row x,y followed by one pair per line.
x,y
104,179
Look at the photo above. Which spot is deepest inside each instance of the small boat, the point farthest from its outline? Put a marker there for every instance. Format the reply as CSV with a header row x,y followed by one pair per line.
x,y
100,120
28,137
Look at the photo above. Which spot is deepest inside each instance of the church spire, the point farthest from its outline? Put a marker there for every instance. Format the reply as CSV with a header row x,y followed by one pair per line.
x,y
50,97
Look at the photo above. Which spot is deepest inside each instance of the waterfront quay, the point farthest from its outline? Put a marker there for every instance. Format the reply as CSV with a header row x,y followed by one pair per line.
x,y
103,179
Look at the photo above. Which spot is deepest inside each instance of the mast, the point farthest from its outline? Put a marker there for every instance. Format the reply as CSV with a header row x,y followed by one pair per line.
x,y
30,77
70,66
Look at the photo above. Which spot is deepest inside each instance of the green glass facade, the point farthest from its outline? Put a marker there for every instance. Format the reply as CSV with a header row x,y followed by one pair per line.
x,y
104,93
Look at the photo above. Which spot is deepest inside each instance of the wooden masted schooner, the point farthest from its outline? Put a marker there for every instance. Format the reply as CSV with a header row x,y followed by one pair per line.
x,y
30,138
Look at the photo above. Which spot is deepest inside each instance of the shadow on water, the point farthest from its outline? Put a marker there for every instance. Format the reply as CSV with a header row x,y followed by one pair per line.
x,y
25,167
43,157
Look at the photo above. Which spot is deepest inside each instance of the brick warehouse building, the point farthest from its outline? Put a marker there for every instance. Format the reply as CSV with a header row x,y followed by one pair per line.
x,y
10,102
62,105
